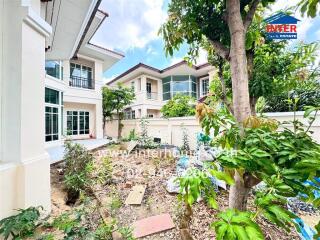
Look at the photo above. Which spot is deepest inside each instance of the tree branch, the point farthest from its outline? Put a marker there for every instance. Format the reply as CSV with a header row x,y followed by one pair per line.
x,y
249,17
221,50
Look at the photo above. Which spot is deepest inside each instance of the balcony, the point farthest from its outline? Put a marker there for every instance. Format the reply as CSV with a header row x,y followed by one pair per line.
x,y
152,96
81,82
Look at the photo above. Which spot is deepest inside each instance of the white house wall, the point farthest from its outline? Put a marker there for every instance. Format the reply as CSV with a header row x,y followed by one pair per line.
x,y
24,165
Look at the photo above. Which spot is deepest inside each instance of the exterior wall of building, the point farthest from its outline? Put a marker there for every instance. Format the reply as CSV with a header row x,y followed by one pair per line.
x,y
68,106
169,130
24,164
150,103
80,99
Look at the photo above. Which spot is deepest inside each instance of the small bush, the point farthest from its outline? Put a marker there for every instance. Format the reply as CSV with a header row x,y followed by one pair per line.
x,y
22,225
71,225
78,169
103,171
104,231
179,106
185,148
144,140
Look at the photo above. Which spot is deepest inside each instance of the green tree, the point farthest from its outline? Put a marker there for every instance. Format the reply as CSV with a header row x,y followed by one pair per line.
x,y
310,7
276,70
179,106
224,24
115,100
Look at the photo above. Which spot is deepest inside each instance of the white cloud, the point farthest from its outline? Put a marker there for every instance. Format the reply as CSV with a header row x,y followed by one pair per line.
x,y
151,51
131,24
106,80
175,60
202,58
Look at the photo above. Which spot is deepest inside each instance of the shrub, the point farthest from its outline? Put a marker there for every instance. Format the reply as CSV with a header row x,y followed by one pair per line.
x,y
71,225
78,169
144,140
255,152
280,103
102,172
22,225
179,106
185,140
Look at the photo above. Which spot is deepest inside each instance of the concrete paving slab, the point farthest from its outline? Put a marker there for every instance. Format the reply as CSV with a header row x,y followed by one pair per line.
x,y
136,194
152,225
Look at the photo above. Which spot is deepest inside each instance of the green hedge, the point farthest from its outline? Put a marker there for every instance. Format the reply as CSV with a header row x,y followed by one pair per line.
x,y
280,103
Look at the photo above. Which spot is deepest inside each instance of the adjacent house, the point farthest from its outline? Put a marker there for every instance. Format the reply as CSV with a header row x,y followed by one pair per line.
x,y
154,87
50,87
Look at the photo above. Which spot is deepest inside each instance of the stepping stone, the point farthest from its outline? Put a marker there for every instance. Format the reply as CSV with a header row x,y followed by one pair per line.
x,y
136,195
151,225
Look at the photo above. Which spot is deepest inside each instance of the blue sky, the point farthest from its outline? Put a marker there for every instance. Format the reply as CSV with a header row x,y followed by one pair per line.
x,y
132,28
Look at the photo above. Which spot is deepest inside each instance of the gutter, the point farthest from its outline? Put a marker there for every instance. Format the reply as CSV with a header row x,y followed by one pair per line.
x,y
93,14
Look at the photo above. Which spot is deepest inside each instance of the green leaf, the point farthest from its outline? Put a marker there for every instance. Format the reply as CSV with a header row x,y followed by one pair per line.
x,y
224,176
254,233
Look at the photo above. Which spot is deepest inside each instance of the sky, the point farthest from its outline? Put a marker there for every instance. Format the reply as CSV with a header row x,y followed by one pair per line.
x,y
132,29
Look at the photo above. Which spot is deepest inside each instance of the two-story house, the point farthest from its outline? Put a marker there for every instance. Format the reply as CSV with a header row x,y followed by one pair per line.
x,y
50,86
154,87
73,97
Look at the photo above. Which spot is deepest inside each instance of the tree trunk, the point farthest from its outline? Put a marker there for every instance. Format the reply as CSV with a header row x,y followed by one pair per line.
x,y
253,102
238,62
104,125
119,125
238,194
240,89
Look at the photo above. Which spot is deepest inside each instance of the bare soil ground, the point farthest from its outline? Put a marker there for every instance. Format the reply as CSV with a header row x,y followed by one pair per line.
x,y
153,172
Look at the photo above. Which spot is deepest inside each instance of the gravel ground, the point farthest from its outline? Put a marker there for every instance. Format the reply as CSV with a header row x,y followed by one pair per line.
x,y
136,169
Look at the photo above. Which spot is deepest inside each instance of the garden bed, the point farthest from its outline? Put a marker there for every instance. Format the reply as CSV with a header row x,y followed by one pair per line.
x,y
153,171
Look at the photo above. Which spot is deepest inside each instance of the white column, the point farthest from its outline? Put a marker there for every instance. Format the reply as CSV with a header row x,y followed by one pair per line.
x,y
144,87
98,68
25,173
159,90
143,112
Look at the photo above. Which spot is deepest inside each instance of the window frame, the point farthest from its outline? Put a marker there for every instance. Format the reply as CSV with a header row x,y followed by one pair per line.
x,y
78,131
54,105
202,94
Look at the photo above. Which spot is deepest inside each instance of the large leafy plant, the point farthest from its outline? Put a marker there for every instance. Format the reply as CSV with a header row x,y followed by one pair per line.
x,y
22,225
283,160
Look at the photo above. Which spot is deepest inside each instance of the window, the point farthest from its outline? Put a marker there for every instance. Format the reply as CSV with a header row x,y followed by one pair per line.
x,y
133,86
81,76
204,87
51,96
54,69
127,114
53,106
180,84
77,122
52,124
149,115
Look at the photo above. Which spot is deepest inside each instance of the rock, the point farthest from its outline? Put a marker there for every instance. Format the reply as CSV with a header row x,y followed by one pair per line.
x,y
173,185
128,185
117,236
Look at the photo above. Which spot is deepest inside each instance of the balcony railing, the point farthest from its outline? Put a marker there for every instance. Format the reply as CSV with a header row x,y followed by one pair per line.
x,y
81,82
152,95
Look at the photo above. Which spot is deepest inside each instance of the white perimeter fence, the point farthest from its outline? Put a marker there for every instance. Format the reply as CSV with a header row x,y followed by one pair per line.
x,y
170,132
